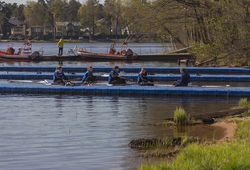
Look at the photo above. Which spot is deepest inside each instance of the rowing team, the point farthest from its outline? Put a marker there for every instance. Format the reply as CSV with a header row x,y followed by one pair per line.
x,y
115,79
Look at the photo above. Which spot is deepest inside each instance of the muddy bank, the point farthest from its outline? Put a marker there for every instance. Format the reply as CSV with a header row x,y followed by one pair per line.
x,y
220,129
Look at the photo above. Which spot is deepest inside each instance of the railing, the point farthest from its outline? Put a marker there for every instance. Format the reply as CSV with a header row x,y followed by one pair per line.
x,y
138,50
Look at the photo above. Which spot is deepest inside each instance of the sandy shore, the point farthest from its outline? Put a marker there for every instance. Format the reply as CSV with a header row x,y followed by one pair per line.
x,y
229,129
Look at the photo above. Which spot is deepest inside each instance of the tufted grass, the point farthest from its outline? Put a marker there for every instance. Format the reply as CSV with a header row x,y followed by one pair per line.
x,y
181,118
233,155
230,155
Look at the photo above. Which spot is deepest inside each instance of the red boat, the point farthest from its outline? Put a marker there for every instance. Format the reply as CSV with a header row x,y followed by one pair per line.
x,y
23,54
123,54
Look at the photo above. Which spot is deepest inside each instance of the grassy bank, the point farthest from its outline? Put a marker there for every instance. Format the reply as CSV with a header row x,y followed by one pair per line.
x,y
232,154
199,155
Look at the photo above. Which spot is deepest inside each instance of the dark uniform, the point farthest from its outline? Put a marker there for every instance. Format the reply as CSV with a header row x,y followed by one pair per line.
x,y
114,79
58,77
143,80
88,78
185,79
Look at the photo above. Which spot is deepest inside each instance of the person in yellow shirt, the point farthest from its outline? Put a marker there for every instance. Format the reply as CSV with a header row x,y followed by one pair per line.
x,y
60,45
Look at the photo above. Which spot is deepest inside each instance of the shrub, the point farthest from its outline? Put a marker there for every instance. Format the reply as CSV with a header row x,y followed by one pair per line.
x,y
181,118
45,37
246,113
14,38
243,103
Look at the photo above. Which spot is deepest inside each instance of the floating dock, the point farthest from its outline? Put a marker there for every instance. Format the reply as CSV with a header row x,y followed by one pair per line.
x,y
149,57
207,75
166,70
126,90
161,78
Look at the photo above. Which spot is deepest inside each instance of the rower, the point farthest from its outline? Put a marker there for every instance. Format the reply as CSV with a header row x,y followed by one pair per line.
x,y
88,77
114,77
143,79
185,79
59,77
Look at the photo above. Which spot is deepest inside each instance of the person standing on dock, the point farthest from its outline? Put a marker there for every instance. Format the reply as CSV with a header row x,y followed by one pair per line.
x,y
59,77
88,77
185,79
114,77
143,79
60,45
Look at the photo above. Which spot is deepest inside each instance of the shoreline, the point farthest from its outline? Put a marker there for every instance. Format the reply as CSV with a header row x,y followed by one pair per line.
x,y
77,41
229,129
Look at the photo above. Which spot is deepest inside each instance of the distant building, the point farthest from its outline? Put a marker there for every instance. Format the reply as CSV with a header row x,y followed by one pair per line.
x,y
7,26
68,28
28,31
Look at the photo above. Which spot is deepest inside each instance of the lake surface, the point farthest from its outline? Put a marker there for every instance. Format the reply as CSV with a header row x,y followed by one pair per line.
x,y
90,132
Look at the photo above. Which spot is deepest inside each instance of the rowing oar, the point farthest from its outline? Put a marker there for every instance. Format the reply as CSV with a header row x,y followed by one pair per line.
x,y
76,79
128,79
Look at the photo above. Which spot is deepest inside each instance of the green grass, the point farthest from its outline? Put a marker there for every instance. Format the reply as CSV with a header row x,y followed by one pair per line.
x,y
234,155
231,155
244,114
242,131
243,103
181,118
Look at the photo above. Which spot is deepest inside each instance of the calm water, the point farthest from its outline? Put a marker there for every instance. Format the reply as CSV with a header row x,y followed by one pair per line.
x,y
88,132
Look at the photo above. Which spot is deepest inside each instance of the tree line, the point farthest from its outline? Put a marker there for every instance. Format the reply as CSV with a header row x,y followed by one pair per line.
x,y
49,12
217,29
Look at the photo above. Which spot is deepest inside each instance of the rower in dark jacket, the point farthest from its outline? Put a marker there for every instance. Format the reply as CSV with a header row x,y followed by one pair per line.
x,y
114,77
143,79
59,77
88,77
185,79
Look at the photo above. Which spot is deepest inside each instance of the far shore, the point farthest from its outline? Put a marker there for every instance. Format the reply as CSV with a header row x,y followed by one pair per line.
x,y
79,41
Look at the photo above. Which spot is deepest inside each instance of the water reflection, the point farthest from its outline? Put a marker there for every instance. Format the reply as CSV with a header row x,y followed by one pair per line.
x,y
90,129
205,132
58,101
114,105
143,107
90,103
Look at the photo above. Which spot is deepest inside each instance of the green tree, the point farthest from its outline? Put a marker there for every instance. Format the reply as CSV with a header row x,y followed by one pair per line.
x,y
109,13
35,12
73,7
19,13
217,29
58,9
89,14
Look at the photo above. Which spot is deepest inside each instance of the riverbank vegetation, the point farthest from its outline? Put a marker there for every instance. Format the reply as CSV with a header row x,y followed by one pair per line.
x,y
181,118
218,30
230,153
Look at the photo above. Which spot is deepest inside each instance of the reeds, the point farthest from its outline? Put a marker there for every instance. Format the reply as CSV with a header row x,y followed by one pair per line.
x,y
181,118
242,104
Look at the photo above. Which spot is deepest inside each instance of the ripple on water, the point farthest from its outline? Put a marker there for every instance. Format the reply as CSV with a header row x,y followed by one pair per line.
x,y
72,132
